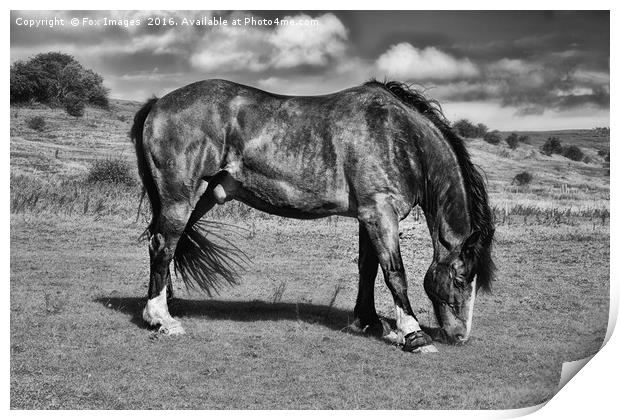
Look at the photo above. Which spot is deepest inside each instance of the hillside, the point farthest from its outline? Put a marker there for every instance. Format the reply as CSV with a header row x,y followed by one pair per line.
x,y
68,147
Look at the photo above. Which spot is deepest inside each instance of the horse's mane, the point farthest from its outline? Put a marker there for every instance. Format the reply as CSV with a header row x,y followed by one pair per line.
x,y
480,213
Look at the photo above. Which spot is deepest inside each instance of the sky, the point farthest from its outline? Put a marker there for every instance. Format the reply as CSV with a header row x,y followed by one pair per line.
x,y
511,70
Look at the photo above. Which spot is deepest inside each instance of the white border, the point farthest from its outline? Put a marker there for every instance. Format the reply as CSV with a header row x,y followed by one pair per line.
x,y
592,393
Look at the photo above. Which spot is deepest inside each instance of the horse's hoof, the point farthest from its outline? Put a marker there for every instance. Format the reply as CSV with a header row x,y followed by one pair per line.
x,y
419,342
374,329
173,329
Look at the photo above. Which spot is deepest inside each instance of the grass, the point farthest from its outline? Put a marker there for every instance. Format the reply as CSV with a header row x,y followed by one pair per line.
x,y
280,340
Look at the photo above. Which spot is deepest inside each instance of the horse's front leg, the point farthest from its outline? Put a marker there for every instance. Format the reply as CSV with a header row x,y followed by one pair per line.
x,y
381,222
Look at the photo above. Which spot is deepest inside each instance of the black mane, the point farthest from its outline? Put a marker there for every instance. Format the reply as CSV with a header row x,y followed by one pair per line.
x,y
480,213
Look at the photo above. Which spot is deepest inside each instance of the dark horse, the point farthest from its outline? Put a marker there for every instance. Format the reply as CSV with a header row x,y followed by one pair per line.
x,y
371,152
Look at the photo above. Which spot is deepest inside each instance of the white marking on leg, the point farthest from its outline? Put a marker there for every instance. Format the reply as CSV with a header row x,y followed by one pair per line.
x,y
405,324
156,313
470,309
220,194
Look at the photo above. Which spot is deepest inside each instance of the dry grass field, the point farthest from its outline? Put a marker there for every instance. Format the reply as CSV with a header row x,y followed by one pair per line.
x,y
280,339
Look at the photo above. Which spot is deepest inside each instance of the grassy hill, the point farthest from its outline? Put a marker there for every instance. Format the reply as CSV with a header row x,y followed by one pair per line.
x,y
58,158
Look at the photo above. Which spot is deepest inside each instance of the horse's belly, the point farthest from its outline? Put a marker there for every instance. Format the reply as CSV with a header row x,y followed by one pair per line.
x,y
289,199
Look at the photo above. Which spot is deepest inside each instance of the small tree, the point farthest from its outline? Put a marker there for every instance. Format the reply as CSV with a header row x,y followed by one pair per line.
x,y
573,153
74,105
551,146
481,129
492,137
49,77
512,140
465,128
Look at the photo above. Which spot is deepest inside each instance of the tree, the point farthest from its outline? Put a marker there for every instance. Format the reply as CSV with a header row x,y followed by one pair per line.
x,y
492,137
481,129
49,77
512,140
551,146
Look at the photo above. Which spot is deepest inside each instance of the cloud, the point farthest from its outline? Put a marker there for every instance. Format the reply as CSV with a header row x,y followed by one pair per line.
x,y
404,61
550,82
258,49
308,44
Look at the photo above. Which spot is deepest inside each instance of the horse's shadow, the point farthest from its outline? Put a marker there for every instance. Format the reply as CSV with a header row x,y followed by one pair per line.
x,y
236,310
249,311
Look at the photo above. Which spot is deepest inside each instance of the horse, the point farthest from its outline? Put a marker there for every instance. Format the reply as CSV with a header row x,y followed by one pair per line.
x,y
371,152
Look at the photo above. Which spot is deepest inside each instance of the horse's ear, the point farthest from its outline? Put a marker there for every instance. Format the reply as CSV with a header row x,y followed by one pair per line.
x,y
470,243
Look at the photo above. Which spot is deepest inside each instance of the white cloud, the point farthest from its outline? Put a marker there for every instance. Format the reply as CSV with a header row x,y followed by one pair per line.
x,y
404,61
257,49
308,44
232,49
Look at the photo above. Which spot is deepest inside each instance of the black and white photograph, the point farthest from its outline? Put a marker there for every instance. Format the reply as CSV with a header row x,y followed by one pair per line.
x,y
306,209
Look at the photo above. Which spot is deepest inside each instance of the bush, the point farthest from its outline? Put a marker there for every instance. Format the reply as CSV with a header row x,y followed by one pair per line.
x,y
551,146
114,171
49,77
604,154
465,128
522,178
512,140
74,105
524,139
573,153
492,137
482,130
36,123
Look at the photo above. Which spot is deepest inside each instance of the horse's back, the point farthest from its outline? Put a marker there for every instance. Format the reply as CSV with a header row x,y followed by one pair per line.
x,y
314,147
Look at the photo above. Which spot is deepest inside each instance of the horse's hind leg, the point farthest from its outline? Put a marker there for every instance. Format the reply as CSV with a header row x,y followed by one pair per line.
x,y
381,223
366,317
167,229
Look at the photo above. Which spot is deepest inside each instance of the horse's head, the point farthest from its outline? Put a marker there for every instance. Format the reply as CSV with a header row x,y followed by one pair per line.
x,y
452,281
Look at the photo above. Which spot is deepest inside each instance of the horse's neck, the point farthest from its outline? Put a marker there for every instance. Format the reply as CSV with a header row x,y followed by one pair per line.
x,y
446,210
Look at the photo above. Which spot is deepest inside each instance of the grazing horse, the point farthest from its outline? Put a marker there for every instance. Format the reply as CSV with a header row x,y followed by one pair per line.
x,y
371,152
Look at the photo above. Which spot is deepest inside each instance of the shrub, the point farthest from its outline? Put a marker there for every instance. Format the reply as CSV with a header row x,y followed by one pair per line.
x,y
522,178
482,130
492,137
36,123
551,146
604,154
573,153
512,140
524,139
114,171
49,77
74,105
465,128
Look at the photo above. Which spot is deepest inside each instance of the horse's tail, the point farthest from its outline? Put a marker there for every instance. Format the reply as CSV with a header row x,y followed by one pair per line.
x,y
136,135
198,260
